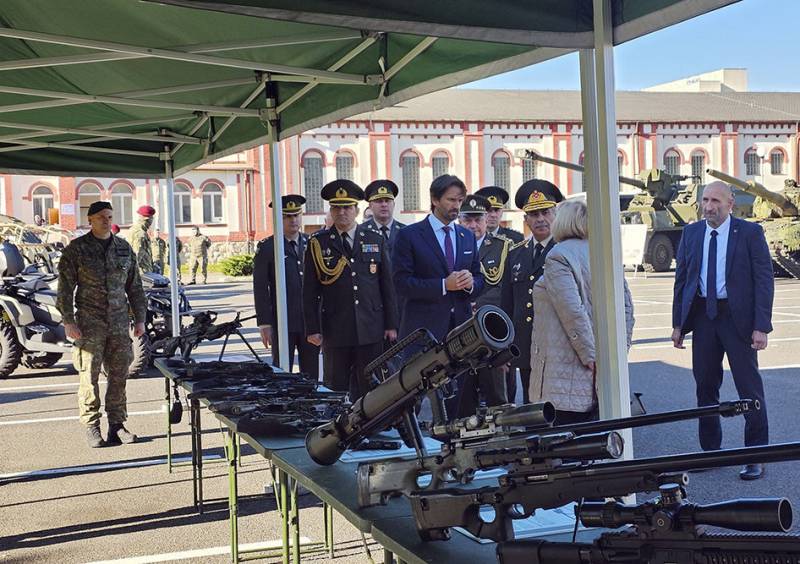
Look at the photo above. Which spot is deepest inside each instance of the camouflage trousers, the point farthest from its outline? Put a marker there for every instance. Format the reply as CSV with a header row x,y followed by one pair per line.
x,y
201,262
113,353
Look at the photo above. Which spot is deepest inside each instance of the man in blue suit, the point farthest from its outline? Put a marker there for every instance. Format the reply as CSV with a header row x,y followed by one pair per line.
x,y
437,267
724,288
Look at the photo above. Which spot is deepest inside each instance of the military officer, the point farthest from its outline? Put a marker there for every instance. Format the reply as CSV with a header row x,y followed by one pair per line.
x,y
490,382
158,249
198,254
348,296
139,238
380,195
524,265
265,291
98,284
498,198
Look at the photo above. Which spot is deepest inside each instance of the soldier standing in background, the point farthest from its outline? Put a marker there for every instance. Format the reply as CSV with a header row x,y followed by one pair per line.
x,y
140,239
159,251
348,295
498,198
98,284
524,266
178,246
490,382
266,291
198,249
380,195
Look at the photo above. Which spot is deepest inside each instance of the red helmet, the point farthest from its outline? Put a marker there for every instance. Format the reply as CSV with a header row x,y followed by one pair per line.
x,y
146,211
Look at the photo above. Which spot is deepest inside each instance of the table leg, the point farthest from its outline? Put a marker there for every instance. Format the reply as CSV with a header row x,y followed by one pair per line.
x,y
233,494
328,510
198,432
388,557
192,426
295,521
283,480
169,425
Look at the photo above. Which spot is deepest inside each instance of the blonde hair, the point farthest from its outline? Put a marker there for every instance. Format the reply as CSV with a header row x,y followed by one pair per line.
x,y
572,220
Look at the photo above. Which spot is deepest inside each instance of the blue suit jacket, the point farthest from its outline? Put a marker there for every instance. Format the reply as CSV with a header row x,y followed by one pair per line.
x,y
419,265
748,277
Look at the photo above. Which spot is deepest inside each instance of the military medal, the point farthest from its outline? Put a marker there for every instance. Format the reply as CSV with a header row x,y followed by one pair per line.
x,y
373,268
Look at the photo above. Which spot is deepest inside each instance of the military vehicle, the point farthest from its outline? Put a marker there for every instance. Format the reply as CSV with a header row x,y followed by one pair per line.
x,y
778,214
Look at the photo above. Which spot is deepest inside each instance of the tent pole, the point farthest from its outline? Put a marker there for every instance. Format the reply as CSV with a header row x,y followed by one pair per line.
x,y
281,313
600,137
171,235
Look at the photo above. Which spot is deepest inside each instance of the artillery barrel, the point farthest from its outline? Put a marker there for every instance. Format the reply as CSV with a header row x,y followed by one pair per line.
x,y
756,189
578,168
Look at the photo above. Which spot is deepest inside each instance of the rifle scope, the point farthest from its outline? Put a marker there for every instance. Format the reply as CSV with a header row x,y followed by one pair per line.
x,y
486,339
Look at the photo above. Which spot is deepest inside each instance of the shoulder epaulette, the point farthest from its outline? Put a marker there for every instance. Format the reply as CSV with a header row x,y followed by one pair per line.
x,y
518,245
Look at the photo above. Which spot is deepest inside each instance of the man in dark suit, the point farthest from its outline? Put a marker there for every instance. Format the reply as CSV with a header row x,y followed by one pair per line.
x,y
498,198
524,266
724,289
380,195
348,295
436,267
490,383
266,292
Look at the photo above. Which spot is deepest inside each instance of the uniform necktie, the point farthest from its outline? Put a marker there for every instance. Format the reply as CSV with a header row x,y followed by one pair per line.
x,y
537,252
346,244
385,232
293,245
449,254
711,277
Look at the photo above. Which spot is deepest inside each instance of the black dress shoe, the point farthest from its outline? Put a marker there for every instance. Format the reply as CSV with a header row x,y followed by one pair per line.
x,y
752,472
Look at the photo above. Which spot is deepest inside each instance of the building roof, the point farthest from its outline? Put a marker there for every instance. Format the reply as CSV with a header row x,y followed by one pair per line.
x,y
565,105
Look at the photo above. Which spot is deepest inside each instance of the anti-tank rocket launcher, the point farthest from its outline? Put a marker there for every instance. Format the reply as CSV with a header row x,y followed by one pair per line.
x,y
520,440
486,340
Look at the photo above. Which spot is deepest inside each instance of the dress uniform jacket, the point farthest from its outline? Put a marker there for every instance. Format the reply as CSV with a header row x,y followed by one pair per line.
x,y
376,227
357,306
492,253
264,282
521,273
513,234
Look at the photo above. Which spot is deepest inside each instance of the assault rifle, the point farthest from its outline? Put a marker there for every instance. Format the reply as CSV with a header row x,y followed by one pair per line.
x,y
519,439
670,529
485,340
204,328
518,496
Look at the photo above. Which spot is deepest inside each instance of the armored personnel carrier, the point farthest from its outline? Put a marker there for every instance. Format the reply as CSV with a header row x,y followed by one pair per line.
x,y
778,214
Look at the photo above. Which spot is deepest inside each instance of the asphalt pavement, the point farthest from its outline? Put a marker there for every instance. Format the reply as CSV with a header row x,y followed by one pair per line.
x,y
63,502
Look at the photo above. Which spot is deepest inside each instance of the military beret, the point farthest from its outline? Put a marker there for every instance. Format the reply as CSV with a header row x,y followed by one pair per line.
x,y
537,194
99,206
342,192
146,211
381,189
114,228
475,204
291,204
497,196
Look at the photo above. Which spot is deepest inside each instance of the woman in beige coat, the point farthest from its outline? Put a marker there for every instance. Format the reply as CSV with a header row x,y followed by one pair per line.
x,y
563,346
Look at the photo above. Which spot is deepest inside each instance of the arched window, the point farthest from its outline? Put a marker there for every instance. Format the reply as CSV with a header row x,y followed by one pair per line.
x,y
529,169
42,198
122,202
440,164
212,203
182,199
699,166
87,194
409,163
313,179
672,162
501,163
752,163
776,161
344,166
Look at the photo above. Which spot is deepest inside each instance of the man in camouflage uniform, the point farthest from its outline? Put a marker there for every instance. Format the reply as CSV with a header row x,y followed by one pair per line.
x,y
158,249
98,284
198,249
140,239
178,246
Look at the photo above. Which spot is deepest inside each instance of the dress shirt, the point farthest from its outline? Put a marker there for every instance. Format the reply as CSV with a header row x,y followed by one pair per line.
x,y
439,232
722,247
479,242
351,234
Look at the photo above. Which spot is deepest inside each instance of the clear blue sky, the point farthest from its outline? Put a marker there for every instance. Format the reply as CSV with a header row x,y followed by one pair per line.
x,y
759,35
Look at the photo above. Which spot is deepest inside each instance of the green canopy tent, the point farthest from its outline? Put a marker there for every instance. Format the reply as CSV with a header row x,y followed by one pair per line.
x,y
129,88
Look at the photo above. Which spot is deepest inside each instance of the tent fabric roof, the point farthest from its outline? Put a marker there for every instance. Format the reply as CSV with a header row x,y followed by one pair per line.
x,y
465,104
101,87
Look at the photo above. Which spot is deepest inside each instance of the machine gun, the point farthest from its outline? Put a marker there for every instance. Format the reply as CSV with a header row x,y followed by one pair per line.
x,y
485,340
204,328
520,439
670,529
518,496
